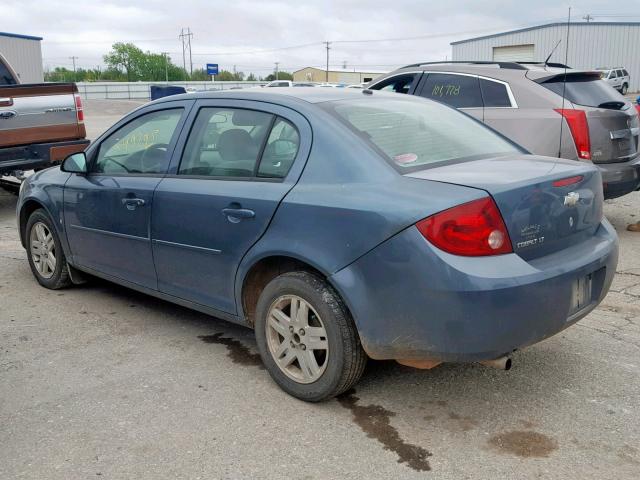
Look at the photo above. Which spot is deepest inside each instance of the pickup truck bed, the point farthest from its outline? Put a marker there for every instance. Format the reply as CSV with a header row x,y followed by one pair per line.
x,y
39,124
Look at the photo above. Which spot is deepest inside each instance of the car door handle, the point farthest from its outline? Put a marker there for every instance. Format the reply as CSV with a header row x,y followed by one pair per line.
x,y
132,203
8,114
235,215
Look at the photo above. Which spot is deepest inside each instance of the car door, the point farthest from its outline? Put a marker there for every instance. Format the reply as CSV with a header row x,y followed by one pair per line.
x,y
107,211
235,165
459,90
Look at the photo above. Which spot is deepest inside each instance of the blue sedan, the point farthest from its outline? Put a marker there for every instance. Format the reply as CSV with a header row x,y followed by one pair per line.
x,y
339,224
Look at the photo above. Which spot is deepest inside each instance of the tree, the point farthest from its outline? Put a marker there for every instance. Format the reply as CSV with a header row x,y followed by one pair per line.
x,y
128,57
251,78
281,76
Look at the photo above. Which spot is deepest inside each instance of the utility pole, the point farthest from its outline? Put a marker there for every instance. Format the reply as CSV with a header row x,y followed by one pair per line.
x,y
588,18
277,63
327,71
166,66
73,59
185,37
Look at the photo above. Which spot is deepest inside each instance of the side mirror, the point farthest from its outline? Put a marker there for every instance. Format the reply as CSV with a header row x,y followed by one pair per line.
x,y
75,163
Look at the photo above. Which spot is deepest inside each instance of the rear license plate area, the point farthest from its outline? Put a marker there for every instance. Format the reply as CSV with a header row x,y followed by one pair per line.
x,y
581,293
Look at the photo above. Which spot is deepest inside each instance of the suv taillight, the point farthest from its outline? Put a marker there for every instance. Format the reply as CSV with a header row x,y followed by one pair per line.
x,y
472,229
577,121
79,110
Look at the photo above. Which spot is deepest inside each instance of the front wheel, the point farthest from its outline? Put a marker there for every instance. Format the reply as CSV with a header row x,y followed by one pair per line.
x,y
306,337
46,258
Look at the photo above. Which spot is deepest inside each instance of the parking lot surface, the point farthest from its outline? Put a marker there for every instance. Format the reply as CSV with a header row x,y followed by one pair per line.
x,y
98,381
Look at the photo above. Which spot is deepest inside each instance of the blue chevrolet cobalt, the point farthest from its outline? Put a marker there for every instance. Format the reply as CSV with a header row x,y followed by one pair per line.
x,y
339,224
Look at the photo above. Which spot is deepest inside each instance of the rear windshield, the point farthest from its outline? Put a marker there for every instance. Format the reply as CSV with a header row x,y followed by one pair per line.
x,y
413,134
588,91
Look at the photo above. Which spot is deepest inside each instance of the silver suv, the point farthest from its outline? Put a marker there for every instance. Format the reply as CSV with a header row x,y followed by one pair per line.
x,y
525,103
618,78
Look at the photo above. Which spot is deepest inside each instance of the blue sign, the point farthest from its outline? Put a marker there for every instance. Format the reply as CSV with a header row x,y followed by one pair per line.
x,y
212,69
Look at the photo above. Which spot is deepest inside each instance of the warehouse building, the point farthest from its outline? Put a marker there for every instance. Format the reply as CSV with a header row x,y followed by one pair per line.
x,y
346,76
24,54
591,45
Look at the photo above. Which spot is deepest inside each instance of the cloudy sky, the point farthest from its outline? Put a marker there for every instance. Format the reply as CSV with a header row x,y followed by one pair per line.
x,y
253,34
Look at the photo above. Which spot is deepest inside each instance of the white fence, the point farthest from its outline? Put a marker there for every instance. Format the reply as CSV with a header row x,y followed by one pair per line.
x,y
142,90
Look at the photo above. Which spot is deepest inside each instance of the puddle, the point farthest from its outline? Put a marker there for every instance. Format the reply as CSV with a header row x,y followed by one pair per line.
x,y
374,420
236,351
524,443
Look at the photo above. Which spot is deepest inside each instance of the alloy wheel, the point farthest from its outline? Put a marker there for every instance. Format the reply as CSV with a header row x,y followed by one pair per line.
x,y
43,250
297,339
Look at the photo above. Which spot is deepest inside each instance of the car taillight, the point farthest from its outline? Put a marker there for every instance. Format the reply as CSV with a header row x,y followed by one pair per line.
x,y
577,120
79,110
472,229
565,182
637,109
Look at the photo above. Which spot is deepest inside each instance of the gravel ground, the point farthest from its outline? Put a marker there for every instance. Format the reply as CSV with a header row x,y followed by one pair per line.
x,y
102,382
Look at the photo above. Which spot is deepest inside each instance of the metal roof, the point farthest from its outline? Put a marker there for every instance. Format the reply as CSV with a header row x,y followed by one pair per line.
x,y
17,35
556,24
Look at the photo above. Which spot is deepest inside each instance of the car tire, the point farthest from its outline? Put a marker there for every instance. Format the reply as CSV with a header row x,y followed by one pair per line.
x,y
325,368
624,89
44,251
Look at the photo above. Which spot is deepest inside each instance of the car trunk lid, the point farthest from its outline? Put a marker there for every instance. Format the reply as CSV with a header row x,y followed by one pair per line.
x,y
547,204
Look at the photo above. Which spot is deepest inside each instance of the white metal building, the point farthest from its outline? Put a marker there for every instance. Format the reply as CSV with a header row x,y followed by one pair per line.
x,y
591,45
24,54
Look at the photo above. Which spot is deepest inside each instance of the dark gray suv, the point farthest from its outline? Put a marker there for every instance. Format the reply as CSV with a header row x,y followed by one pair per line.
x,y
524,102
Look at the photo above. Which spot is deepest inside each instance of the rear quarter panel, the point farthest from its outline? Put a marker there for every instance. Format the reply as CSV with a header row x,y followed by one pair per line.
x,y
347,201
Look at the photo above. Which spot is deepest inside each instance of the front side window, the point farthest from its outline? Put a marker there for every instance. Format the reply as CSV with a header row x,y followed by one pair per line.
x,y
225,142
494,94
140,146
620,74
459,91
398,83
6,78
412,135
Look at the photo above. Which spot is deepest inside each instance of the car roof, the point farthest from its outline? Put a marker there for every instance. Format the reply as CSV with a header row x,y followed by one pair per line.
x,y
278,95
506,71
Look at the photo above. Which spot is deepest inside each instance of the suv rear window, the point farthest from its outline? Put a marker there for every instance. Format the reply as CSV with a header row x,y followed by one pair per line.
x,y
586,90
412,134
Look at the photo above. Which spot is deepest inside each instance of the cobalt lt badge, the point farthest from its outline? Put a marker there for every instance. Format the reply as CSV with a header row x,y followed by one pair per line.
x,y
571,199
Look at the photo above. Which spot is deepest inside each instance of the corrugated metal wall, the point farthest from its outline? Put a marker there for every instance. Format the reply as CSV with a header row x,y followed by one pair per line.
x,y
591,45
25,56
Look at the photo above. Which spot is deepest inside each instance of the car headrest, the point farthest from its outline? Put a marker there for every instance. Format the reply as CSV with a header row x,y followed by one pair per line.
x,y
237,144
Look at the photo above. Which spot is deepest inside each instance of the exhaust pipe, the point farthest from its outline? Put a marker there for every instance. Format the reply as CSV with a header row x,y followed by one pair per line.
x,y
502,363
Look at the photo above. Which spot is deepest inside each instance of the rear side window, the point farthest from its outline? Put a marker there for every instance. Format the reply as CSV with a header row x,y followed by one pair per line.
x,y
398,83
412,135
225,142
588,91
494,94
5,76
620,74
459,91
280,151
626,74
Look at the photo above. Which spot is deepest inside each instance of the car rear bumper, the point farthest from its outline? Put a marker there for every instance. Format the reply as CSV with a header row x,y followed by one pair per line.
x,y
620,178
28,157
413,301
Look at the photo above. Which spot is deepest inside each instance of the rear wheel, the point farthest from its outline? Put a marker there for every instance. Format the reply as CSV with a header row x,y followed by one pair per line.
x,y
306,337
624,89
46,258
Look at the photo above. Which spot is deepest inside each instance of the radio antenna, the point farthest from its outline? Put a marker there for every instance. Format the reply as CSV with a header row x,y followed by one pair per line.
x,y
564,80
546,62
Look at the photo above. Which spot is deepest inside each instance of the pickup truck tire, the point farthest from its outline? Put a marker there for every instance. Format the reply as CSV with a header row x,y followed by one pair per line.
x,y
44,251
306,337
